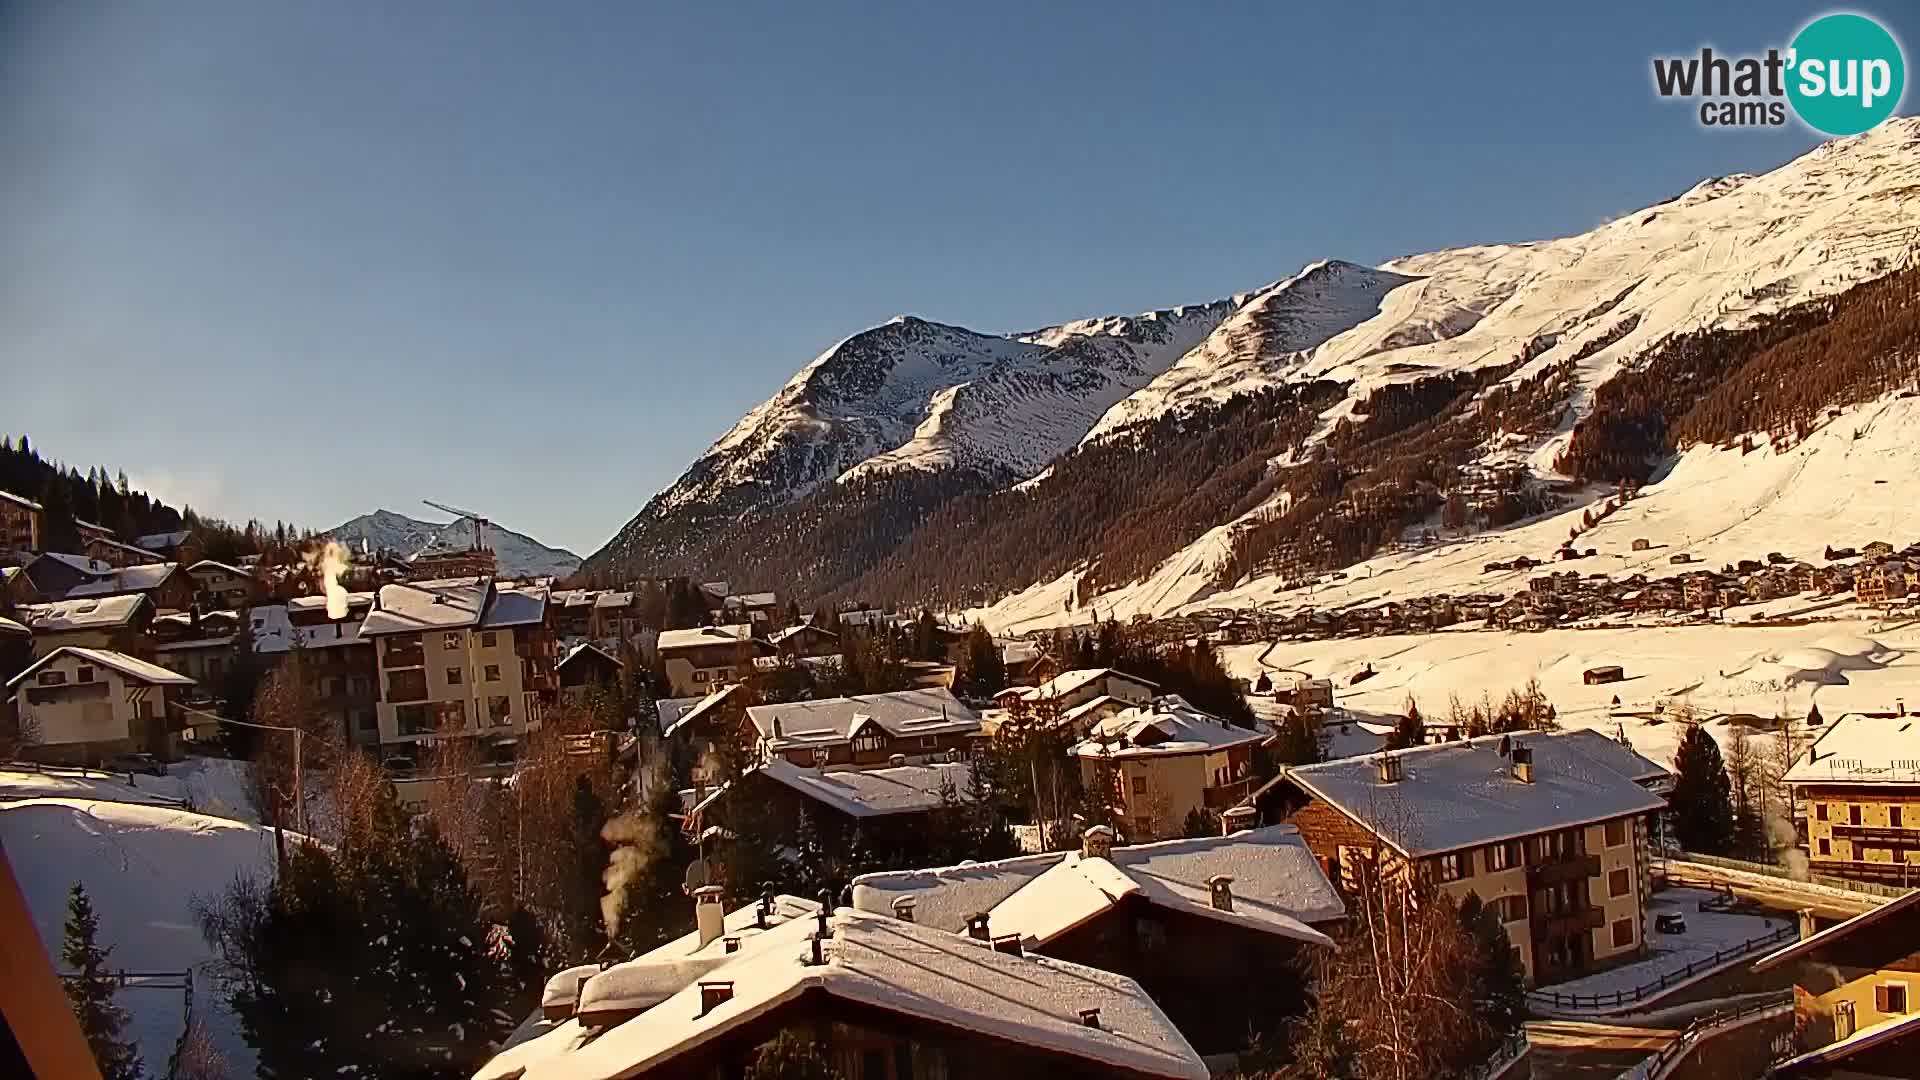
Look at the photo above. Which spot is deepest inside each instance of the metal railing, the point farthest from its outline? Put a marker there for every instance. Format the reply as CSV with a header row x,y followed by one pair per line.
x,y
1865,888
1700,1027
1666,980
1503,1056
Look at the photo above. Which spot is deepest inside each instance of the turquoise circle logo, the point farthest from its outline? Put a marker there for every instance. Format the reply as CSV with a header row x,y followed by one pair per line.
x,y
1848,74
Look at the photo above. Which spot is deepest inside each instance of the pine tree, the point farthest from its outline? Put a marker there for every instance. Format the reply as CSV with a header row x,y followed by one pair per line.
x,y
1702,802
91,991
986,671
1410,730
1500,992
580,900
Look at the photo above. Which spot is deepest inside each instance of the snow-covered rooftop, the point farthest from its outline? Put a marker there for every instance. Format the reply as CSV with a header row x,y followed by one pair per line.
x,y
20,500
912,971
1278,886
1861,748
580,651
205,565
128,579
1462,794
656,975
411,607
1167,726
828,721
669,710
109,611
132,667
779,636
87,566
868,793
698,707
515,605
703,635
1068,681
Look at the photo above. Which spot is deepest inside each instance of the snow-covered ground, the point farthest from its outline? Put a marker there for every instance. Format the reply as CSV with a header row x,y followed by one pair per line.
x,y
1764,671
1707,933
213,786
142,866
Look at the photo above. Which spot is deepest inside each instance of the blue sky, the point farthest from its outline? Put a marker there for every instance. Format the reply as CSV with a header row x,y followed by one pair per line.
x,y
299,261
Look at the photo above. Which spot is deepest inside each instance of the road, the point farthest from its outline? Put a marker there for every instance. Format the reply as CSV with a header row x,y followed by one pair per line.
x,y
1579,1050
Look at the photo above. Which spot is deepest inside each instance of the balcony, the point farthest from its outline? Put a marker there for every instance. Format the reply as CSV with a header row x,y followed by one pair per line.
x,y
1564,869
1226,796
1567,923
1878,834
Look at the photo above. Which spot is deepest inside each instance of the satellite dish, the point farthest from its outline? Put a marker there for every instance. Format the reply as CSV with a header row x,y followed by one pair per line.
x,y
698,874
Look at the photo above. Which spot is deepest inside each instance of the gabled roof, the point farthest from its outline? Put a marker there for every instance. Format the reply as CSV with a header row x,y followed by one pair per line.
x,y
914,972
131,667
779,636
829,721
1463,794
1865,921
867,793
90,567
613,600
515,605
1875,1036
1860,748
145,577
210,564
445,604
669,710
102,614
1167,727
703,635
581,651
658,974
156,541
136,552
20,500
1068,681
1278,886
700,707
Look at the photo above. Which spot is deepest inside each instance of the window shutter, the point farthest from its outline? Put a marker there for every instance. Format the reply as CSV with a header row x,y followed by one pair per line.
x,y
1880,998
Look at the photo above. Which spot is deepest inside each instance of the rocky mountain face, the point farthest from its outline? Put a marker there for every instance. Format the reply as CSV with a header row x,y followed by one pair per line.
x,y
916,427
519,555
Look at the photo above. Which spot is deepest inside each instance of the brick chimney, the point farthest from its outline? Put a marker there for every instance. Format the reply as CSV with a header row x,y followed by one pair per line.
x,y
709,913
1221,886
1237,819
1097,843
713,995
903,907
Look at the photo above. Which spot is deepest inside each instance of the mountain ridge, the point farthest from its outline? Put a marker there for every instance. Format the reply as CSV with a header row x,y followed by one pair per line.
x,y
519,555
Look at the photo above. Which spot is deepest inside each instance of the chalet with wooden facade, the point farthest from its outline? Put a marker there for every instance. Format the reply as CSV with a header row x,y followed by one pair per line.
x,y
1167,759
21,523
803,640
100,545
1549,829
220,585
700,659
586,666
1187,919
163,583
869,730
1856,996
118,623
891,806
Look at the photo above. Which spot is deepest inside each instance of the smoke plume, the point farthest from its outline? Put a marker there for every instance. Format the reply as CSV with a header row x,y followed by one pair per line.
x,y
332,560
636,845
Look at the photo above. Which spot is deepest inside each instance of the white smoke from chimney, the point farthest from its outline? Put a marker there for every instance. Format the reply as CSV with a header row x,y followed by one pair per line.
x,y
635,847
331,561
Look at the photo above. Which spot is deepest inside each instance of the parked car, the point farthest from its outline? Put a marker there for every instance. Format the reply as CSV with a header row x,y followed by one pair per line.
x,y
1670,922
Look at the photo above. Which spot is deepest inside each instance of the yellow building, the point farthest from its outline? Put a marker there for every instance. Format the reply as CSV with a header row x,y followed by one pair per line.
x,y
1859,787
1167,759
81,705
1549,829
705,658
1856,995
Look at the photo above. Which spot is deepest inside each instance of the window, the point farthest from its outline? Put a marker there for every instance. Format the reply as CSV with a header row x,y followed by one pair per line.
x,y
365,719
52,678
213,665
500,710
1826,847
493,672
1512,908
488,639
1622,933
1616,833
453,676
412,719
1455,865
929,742
1893,816
407,685
85,674
870,742
1140,785
1843,1022
360,686
1890,998
404,652
450,714
1820,811
450,641
699,676
1503,856
1618,883
1853,814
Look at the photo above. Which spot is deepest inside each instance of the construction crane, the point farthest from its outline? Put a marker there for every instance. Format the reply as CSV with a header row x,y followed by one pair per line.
x,y
479,523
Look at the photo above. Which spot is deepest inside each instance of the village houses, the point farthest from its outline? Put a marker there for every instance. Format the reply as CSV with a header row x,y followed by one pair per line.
x,y
82,705
1859,785
1856,1014
1167,760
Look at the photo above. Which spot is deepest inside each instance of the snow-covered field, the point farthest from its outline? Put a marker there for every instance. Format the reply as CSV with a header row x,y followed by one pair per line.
x,y
142,866
1764,671
213,786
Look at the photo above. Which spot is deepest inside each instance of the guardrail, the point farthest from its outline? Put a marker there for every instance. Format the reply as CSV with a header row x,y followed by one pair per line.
x,y
1865,888
1666,980
1501,1059
1700,1027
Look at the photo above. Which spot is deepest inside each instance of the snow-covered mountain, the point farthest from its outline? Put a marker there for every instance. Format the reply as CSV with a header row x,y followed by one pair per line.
x,y
923,396
519,555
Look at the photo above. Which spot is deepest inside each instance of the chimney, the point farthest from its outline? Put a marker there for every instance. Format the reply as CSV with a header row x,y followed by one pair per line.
x,y
765,909
1009,944
1237,819
1097,843
1221,885
903,907
708,913
713,995
977,926
1090,1018
826,908
818,959
776,727
1390,768
732,944
1523,764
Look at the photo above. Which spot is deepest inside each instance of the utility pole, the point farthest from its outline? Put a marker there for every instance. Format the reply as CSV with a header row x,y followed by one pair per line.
x,y
299,761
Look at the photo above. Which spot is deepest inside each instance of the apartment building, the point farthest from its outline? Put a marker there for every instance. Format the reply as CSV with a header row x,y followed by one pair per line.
x,y
1167,759
86,704
1549,829
1860,786
21,522
463,655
